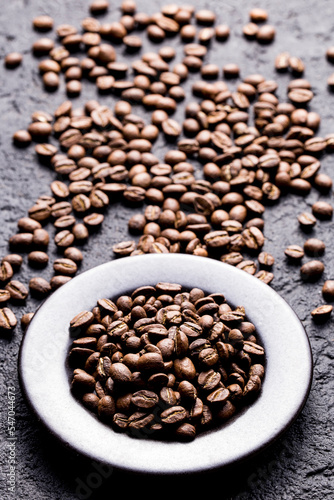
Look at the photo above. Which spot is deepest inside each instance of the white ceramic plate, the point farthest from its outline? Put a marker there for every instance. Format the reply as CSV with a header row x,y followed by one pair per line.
x,y
45,383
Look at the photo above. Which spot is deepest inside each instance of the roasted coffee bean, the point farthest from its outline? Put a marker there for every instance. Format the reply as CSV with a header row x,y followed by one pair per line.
x,y
205,16
258,15
4,296
38,258
314,247
250,30
307,220
40,212
74,254
294,252
22,138
312,270
64,238
17,290
328,290
153,327
58,281
266,259
40,238
65,266
173,415
8,320
266,33
322,313
6,271
81,321
39,286
26,319
15,260
322,210
13,59
222,32
43,23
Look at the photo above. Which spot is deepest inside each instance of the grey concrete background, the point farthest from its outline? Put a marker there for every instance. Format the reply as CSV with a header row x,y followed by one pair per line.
x,y
300,464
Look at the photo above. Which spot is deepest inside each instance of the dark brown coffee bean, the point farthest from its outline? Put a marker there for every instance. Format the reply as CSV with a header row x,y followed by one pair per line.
x,y
82,381
144,399
314,247
173,415
120,373
81,321
328,290
312,270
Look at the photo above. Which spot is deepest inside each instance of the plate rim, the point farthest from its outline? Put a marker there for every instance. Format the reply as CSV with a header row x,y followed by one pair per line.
x,y
140,469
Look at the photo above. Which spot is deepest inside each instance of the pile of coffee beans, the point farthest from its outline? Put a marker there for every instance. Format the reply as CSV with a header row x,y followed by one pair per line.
x,y
239,149
163,362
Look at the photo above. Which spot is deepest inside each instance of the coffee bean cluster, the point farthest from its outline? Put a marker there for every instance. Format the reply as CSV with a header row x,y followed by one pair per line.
x,y
88,53
238,150
163,362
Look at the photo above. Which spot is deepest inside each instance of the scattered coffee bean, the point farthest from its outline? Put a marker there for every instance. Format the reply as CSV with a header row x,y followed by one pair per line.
x,y
322,313
258,15
314,247
39,287
4,296
8,319
328,290
17,290
13,60
294,252
43,23
26,319
307,220
38,258
312,270
266,33
322,210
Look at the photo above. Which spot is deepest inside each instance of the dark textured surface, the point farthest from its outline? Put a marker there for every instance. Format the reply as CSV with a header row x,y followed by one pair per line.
x,y
300,464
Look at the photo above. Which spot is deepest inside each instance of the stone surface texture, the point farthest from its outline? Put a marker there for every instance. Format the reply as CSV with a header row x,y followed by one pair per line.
x,y
299,466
